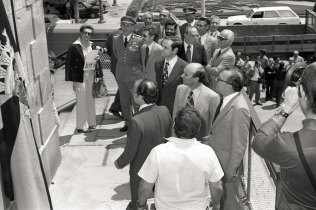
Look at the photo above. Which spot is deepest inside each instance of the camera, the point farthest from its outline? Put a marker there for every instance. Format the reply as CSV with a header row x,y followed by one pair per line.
x,y
294,74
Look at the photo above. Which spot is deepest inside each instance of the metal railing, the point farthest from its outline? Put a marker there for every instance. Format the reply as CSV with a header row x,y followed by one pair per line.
x,y
64,95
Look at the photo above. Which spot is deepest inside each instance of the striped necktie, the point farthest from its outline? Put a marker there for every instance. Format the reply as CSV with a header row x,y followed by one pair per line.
x,y
190,100
165,75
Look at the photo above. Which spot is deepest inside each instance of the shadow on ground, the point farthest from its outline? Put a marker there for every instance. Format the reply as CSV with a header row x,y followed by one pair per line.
x,y
269,107
122,192
64,140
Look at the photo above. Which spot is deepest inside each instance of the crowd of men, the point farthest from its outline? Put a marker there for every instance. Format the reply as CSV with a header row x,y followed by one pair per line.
x,y
187,120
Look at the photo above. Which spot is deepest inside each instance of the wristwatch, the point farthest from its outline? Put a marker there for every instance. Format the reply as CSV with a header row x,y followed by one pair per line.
x,y
280,111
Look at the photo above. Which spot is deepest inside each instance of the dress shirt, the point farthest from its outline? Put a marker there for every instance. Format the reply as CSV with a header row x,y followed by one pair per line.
x,y
226,99
186,48
162,31
196,93
172,62
192,23
150,47
170,175
144,106
84,49
203,38
256,76
128,37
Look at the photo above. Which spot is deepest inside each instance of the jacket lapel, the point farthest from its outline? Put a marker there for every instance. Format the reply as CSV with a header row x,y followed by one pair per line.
x,y
174,73
223,112
147,108
79,49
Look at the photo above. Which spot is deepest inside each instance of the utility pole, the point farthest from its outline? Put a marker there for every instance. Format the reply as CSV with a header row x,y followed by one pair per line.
x,y
76,11
202,8
101,12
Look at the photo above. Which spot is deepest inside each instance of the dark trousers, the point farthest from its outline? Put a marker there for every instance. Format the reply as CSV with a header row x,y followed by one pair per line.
x,y
134,185
254,89
269,89
116,105
278,89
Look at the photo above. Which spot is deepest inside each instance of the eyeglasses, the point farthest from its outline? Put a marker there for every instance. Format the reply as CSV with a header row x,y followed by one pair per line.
x,y
221,38
219,79
87,33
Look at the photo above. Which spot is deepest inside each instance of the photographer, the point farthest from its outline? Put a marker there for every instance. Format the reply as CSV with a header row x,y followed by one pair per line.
x,y
296,187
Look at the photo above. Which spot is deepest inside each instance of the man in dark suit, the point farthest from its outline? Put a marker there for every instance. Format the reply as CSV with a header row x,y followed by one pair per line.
x,y
229,134
127,50
146,131
168,73
190,18
194,93
192,51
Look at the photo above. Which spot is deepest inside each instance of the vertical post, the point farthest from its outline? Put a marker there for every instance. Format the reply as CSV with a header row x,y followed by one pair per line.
x,y
101,12
76,11
202,8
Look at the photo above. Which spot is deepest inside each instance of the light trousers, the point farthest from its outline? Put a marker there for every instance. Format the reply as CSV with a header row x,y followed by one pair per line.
x,y
86,115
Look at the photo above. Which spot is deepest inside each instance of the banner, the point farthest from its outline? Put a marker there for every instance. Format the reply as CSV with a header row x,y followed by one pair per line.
x,y
21,169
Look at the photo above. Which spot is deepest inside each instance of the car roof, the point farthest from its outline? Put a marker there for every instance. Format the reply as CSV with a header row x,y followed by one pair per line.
x,y
271,8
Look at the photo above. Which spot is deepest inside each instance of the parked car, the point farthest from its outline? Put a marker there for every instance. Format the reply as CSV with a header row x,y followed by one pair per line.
x,y
266,16
51,19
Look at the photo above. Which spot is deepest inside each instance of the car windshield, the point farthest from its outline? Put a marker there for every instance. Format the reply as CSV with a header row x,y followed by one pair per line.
x,y
249,14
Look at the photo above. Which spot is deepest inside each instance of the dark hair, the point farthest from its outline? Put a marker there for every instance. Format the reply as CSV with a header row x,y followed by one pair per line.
x,y
309,85
263,51
171,22
236,80
152,31
247,54
187,123
200,73
207,21
176,44
148,90
84,26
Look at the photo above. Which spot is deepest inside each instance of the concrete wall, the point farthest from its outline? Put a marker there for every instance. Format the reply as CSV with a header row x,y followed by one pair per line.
x,y
31,33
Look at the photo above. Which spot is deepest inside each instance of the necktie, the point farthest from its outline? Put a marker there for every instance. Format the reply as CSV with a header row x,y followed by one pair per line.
x,y
146,56
218,109
165,75
219,53
190,101
200,40
188,54
125,42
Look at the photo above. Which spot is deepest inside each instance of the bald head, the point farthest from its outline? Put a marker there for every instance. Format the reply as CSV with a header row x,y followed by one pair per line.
x,y
226,38
229,81
194,75
164,16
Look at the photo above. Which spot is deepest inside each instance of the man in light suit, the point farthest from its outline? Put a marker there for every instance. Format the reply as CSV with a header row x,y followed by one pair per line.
x,y
223,57
151,52
192,51
127,50
194,93
229,134
146,131
168,73
211,43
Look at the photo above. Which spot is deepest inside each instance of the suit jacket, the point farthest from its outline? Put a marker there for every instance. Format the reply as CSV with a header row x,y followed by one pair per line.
x,y
109,46
74,63
146,130
207,103
166,95
229,134
198,56
211,44
154,55
128,67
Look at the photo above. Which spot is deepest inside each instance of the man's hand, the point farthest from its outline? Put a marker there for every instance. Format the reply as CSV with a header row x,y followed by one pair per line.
x,y
76,86
290,99
116,165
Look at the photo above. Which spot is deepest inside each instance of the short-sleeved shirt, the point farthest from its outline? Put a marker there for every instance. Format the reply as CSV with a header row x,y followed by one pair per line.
x,y
181,170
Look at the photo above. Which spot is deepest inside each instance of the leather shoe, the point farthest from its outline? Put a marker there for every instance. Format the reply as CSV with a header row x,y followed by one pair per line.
x,y
92,127
258,103
124,129
83,131
116,114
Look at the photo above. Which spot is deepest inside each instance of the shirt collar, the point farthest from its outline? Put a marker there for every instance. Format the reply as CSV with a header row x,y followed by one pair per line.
x,y
186,46
227,99
196,91
173,61
150,46
224,49
144,106
128,37
309,124
181,141
193,23
79,42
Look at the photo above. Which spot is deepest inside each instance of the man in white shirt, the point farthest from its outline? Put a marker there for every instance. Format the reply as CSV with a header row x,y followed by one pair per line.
x,y
297,58
185,179
254,82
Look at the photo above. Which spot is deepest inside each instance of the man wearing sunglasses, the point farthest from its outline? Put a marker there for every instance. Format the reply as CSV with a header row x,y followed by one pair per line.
x,y
296,187
82,76
223,57
229,134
